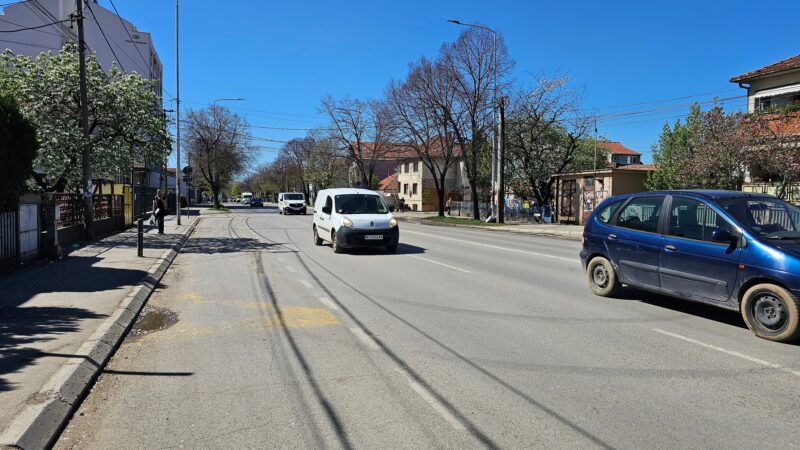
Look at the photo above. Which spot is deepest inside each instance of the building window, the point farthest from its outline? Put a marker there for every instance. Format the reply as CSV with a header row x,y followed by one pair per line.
x,y
405,188
588,182
414,189
416,167
763,103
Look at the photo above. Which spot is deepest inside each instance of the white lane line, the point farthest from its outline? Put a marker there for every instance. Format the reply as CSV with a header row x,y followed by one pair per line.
x,y
281,259
306,284
438,407
327,302
290,269
441,264
515,250
729,352
363,337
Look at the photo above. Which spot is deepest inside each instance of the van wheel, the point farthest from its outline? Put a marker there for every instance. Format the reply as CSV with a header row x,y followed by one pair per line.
x,y
317,239
335,243
771,312
602,277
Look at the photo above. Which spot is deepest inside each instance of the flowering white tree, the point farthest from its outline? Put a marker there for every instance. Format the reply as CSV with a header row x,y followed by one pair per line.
x,y
126,120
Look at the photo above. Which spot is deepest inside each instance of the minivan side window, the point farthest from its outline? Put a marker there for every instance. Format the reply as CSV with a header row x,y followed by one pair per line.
x,y
693,219
604,215
329,203
641,213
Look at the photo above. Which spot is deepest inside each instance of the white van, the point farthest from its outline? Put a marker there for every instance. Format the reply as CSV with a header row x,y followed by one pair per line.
x,y
349,218
291,202
246,197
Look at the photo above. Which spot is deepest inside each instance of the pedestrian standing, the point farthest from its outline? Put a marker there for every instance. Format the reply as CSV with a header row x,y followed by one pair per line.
x,y
159,211
448,205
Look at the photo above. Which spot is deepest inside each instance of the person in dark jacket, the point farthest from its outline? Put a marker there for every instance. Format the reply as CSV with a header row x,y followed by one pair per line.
x,y
159,211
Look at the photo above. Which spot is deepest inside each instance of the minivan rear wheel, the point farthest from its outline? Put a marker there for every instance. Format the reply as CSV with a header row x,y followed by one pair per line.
x,y
771,312
317,239
602,278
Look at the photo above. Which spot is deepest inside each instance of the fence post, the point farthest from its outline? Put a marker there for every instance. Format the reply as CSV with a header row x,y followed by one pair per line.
x,y
140,237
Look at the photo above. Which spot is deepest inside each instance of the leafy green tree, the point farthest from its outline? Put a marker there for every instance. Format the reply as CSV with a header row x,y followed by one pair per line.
x,y
18,148
126,120
672,154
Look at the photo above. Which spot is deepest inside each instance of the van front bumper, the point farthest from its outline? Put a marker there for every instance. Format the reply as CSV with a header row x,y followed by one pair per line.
x,y
349,237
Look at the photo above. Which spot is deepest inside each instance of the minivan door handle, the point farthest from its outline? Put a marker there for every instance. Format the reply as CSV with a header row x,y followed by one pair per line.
x,y
612,237
670,248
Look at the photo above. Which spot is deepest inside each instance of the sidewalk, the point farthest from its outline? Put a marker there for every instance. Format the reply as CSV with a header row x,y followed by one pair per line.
x,y
573,232
50,311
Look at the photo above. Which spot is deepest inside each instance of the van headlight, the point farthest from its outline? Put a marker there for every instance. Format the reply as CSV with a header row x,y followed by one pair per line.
x,y
392,222
346,222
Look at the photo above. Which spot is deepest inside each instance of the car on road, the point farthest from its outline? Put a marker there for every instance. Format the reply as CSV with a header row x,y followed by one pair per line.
x,y
350,218
736,250
256,201
291,203
246,197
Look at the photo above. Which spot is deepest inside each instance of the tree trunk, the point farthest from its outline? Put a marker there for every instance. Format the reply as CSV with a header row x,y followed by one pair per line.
x,y
476,210
215,190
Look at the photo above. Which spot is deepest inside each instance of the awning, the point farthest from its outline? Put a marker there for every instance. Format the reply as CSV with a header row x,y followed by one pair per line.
x,y
778,91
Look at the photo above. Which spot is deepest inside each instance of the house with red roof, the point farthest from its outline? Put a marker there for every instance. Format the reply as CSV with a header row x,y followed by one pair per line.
x,y
774,91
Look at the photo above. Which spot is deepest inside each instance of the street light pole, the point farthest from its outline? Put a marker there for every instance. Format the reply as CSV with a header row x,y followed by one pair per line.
x,y
178,117
495,136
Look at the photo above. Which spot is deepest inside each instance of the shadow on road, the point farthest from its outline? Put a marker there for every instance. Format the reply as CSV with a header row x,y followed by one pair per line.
x,y
402,249
703,310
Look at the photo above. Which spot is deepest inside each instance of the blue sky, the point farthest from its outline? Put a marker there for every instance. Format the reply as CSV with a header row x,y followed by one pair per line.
x,y
283,57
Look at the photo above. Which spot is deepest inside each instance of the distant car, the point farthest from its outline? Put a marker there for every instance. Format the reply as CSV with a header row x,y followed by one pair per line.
x,y
291,203
255,201
349,218
735,250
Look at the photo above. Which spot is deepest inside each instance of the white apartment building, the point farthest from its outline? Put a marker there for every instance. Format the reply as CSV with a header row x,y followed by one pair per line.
x,y
134,49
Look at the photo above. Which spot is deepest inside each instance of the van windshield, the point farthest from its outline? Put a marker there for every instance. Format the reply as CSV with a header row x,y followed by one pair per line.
x,y
769,218
360,204
293,196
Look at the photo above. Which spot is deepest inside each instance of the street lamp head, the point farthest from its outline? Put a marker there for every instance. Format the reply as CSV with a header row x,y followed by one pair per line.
x,y
454,21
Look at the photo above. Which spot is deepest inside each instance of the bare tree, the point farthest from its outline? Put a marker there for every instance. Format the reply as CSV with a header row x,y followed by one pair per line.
x,y
298,152
363,129
544,133
218,145
472,68
423,110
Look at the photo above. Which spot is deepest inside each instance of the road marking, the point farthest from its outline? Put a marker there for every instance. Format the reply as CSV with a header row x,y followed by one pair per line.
x,y
327,302
729,352
438,407
441,264
290,269
281,259
306,284
496,247
363,337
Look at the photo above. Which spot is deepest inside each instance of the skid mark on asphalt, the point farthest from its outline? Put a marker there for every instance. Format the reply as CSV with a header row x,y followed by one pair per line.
x,y
729,352
496,247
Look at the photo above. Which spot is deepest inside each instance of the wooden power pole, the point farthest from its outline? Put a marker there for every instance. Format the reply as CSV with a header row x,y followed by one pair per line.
x,y
86,159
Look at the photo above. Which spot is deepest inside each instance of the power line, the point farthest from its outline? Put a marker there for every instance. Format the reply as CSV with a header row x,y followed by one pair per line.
x,y
146,64
20,25
42,13
29,45
667,100
34,28
105,37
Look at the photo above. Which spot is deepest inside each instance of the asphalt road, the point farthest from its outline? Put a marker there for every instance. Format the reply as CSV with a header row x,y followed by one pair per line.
x,y
462,339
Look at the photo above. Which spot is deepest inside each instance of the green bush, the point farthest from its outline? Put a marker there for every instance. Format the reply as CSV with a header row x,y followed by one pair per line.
x,y
18,148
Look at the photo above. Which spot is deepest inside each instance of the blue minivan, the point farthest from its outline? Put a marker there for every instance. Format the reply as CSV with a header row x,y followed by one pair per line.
x,y
736,250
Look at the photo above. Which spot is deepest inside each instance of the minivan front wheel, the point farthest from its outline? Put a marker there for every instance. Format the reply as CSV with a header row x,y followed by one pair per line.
x,y
335,244
771,312
602,277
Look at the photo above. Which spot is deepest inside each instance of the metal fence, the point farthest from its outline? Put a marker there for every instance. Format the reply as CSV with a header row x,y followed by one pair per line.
x,y
9,235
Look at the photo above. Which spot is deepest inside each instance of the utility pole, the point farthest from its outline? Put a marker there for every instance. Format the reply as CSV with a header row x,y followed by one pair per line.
x,y
86,155
501,163
177,117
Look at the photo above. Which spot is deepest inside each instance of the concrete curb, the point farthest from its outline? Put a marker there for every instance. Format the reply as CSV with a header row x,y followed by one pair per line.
x,y
39,424
571,237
